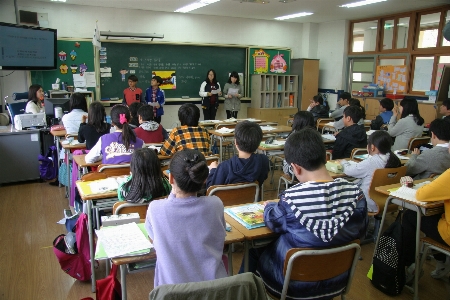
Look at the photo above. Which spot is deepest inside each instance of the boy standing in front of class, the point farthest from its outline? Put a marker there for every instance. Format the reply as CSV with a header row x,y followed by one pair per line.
x,y
132,93
154,96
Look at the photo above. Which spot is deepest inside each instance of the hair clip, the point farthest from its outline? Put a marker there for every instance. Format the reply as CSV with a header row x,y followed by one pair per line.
x,y
122,118
191,160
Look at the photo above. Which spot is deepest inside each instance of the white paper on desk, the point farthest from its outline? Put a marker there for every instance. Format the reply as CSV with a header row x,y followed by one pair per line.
x,y
123,239
105,74
330,124
267,128
233,92
105,70
215,91
329,137
402,157
79,81
90,79
406,193
225,130
106,185
278,143
370,132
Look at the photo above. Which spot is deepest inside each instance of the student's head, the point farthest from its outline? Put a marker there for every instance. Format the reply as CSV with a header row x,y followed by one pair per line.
x,y
318,99
189,170
189,114
35,93
146,180
409,106
234,78
380,142
440,131
120,117
386,104
134,107
211,76
445,107
357,103
78,101
132,81
247,135
344,99
145,113
302,119
352,114
96,115
306,149
156,81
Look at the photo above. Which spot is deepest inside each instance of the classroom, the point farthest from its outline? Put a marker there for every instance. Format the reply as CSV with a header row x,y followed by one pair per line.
x,y
347,60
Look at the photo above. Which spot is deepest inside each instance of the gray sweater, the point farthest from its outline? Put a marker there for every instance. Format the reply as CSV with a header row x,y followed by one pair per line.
x,y
403,130
234,103
433,161
338,112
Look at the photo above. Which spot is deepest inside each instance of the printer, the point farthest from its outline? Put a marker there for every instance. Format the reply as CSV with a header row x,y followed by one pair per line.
x,y
24,121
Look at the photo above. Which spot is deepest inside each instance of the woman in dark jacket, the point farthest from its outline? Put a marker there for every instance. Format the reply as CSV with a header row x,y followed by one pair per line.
x,y
210,91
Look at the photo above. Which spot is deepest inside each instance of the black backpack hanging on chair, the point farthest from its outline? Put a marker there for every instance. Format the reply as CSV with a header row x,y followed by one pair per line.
x,y
388,266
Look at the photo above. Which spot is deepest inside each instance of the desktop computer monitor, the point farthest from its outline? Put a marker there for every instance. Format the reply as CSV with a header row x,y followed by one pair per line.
x,y
51,103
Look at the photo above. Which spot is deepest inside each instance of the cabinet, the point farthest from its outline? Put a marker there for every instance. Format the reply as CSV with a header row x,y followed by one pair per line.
x,y
274,97
308,79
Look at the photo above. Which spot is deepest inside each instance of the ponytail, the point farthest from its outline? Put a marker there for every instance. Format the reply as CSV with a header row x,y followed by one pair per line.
x,y
128,135
393,161
120,117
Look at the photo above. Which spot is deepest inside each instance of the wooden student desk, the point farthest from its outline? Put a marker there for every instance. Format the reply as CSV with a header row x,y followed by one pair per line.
x,y
67,148
422,209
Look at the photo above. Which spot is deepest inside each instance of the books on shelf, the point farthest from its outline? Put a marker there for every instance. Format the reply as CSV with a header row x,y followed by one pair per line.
x,y
250,216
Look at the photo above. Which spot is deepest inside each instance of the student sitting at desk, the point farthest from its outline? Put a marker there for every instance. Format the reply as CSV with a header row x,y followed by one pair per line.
x,y
146,181
343,102
386,106
317,108
353,102
116,147
380,157
35,97
319,212
435,160
408,126
247,166
435,226
149,131
188,232
91,132
444,109
189,135
134,107
78,110
352,136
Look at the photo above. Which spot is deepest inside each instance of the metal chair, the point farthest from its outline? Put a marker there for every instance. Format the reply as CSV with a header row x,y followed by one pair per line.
x,y
358,151
416,142
306,264
114,170
234,194
322,121
227,143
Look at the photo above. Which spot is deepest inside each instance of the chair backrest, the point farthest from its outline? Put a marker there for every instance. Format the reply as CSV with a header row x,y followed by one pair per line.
x,y
382,177
91,176
358,151
16,108
329,155
72,135
234,194
323,121
416,142
270,124
114,170
320,264
123,207
211,158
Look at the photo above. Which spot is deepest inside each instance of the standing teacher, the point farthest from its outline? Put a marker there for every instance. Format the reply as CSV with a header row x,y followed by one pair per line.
x,y
233,93
210,92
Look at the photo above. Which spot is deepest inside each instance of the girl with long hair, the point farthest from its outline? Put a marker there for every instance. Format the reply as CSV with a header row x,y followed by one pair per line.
x,y
96,126
233,92
35,98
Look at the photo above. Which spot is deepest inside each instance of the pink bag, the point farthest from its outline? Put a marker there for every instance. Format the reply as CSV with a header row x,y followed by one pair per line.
x,y
76,265
109,288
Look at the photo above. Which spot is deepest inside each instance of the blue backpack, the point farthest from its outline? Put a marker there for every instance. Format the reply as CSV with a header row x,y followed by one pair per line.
x,y
48,164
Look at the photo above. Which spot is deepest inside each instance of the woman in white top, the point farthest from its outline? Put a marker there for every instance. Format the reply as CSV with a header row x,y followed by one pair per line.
x,y
380,157
78,109
408,126
35,97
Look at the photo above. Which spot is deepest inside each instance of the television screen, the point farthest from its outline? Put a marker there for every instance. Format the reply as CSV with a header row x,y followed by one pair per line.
x,y
51,103
27,48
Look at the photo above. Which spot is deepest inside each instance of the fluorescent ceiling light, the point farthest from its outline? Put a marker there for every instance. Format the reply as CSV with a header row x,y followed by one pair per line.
x,y
58,0
195,5
361,3
302,14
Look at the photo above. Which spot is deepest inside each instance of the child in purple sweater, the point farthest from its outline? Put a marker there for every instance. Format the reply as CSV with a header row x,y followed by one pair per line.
x,y
188,232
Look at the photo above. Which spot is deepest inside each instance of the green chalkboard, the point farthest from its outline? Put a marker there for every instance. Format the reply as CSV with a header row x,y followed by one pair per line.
x,y
84,55
190,64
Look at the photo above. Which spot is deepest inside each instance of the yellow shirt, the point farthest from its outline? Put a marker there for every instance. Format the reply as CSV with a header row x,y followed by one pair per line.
x,y
438,191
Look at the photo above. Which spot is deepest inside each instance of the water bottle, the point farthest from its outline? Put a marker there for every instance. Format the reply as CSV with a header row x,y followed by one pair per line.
x,y
63,86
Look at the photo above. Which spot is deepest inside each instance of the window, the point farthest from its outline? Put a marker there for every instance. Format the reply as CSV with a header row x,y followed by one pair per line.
x,y
388,34
428,31
361,73
402,32
364,36
423,72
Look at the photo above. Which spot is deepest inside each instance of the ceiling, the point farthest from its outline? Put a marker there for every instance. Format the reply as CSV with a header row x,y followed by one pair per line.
x,y
324,10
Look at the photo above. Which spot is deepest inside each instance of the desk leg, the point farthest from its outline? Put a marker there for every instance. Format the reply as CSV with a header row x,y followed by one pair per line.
x,y
220,149
57,140
417,259
230,259
91,243
123,280
388,200
68,173
246,249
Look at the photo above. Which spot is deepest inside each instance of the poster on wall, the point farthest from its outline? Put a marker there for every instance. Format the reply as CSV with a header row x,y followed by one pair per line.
x,y
269,61
169,79
393,78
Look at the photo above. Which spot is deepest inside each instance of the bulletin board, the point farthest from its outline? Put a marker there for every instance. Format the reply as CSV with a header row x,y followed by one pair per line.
x,y
269,61
392,78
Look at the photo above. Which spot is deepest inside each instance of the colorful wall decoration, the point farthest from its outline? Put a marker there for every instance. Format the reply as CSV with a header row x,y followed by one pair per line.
x,y
269,61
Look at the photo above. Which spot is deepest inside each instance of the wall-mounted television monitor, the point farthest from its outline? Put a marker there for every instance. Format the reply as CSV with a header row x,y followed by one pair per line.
x,y
27,48
51,103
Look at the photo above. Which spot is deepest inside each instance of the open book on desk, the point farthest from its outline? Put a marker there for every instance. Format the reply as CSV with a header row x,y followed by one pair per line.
x,y
106,185
407,193
122,240
250,216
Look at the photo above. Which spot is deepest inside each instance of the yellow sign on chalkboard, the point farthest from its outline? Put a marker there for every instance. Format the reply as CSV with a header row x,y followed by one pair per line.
x,y
393,78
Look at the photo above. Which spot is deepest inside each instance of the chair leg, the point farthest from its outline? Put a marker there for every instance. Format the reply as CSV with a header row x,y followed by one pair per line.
x,y
123,280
